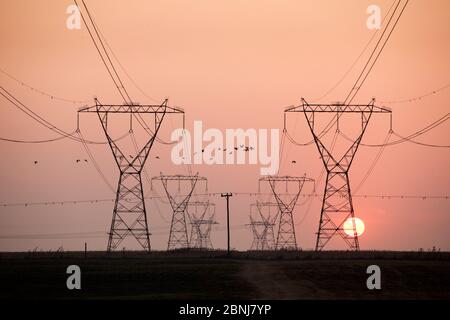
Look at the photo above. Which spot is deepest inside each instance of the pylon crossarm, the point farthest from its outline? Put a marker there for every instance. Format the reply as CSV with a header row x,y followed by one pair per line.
x,y
205,205
337,107
132,108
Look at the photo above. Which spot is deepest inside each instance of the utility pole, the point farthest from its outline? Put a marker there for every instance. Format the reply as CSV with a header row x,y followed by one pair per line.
x,y
228,195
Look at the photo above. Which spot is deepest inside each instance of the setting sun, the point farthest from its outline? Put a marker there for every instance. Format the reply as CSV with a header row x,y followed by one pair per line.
x,y
359,225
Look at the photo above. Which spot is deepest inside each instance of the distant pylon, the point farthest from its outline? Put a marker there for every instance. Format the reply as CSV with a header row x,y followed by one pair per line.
x,y
337,205
286,238
267,216
130,215
202,219
178,236
259,229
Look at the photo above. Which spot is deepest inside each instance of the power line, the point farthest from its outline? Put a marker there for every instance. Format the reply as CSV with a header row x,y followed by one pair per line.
x,y
49,95
36,141
96,166
356,60
42,121
431,93
117,82
355,89
410,137
385,196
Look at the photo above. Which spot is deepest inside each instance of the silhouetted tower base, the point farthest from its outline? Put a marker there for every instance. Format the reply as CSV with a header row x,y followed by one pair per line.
x,y
129,214
337,206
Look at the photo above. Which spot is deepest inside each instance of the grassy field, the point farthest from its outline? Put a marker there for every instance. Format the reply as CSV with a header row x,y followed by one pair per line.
x,y
211,275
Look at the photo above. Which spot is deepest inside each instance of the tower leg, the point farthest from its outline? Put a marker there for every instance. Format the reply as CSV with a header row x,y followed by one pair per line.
x,y
286,232
129,215
178,238
337,208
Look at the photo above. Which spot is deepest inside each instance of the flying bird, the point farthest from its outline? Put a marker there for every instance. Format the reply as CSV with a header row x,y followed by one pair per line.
x,y
157,157
293,161
35,162
78,160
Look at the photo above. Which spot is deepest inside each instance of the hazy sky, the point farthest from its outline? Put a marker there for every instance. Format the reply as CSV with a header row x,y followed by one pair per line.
x,y
231,64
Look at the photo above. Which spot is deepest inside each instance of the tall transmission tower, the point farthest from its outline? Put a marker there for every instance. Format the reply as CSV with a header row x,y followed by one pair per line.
x,y
130,214
337,205
202,218
178,236
286,238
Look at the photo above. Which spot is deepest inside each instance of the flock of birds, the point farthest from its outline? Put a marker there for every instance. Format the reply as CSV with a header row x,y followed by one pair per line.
x,y
86,160
242,147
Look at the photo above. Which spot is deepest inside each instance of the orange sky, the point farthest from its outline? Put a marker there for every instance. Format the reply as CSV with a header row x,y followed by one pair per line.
x,y
230,64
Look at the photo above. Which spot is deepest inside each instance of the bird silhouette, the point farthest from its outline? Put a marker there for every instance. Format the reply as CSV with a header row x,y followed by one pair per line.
x,y
85,160
293,161
35,162
78,160
157,157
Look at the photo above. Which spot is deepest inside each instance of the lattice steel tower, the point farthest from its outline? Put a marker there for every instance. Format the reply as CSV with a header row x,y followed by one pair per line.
x,y
265,220
130,214
337,205
286,238
201,218
178,237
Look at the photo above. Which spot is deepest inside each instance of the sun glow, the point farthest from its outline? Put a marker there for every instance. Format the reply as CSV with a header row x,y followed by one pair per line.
x,y
359,226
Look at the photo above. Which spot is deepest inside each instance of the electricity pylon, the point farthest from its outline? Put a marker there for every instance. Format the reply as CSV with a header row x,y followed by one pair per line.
x,y
266,215
266,221
202,219
259,229
178,236
337,205
129,214
286,238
